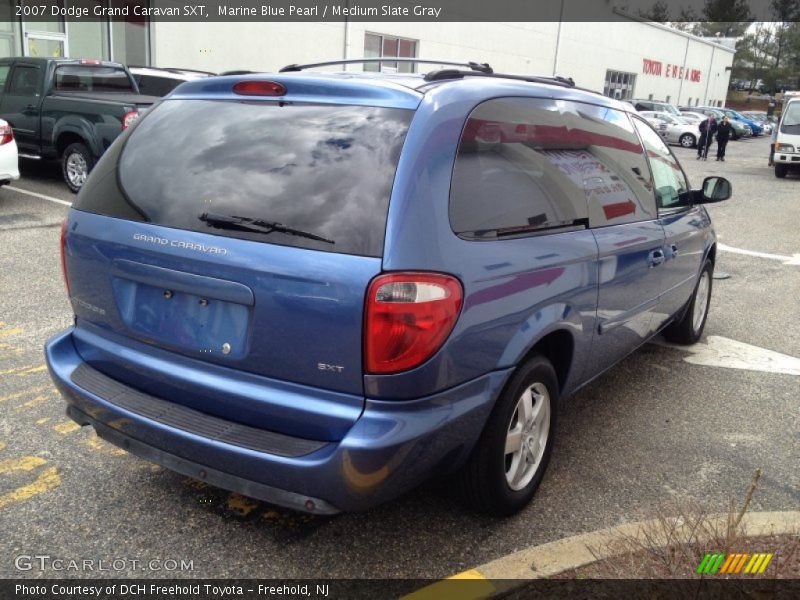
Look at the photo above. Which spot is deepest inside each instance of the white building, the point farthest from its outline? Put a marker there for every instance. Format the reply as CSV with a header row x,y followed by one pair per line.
x,y
625,58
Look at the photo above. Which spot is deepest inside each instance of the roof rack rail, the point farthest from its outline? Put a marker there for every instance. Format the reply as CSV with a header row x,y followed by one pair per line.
x,y
477,67
458,74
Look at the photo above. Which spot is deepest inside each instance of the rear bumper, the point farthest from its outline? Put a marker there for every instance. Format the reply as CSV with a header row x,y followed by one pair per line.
x,y
391,448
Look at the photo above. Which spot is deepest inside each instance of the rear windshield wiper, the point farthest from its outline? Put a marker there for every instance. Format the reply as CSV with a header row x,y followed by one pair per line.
x,y
257,226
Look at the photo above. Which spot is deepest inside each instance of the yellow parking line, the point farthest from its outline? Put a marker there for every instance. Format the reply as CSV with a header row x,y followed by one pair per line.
x,y
66,427
26,463
48,480
2,445
469,585
35,402
94,443
43,421
7,351
24,370
241,505
38,369
25,392
15,370
10,332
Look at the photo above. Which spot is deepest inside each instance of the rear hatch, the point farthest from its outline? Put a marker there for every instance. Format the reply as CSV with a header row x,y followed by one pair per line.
x,y
240,234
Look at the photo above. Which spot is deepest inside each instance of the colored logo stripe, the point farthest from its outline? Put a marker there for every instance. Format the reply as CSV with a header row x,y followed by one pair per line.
x,y
734,563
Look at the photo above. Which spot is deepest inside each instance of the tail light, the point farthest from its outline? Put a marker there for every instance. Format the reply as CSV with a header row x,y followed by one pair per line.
x,y
408,318
64,255
129,119
6,134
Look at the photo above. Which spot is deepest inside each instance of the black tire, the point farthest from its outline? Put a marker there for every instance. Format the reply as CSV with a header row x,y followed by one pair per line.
x,y
686,330
483,478
75,157
781,170
687,140
735,136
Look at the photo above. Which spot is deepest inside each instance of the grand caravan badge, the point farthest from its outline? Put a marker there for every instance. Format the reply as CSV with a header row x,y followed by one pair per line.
x,y
160,241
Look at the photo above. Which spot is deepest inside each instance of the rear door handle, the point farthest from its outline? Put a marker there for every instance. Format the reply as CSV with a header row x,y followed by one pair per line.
x,y
655,258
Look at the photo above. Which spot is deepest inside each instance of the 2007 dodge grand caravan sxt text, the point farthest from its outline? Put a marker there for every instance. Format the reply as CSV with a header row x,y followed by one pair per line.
x,y
320,289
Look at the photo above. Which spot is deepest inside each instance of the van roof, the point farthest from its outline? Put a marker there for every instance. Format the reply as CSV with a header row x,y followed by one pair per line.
x,y
398,90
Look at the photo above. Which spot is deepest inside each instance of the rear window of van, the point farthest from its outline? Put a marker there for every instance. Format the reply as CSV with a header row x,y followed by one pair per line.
x,y
323,170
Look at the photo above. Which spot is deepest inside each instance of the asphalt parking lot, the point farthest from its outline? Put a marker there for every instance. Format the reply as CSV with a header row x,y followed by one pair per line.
x,y
655,427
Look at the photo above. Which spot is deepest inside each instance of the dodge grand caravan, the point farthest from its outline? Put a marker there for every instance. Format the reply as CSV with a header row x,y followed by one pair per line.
x,y
321,289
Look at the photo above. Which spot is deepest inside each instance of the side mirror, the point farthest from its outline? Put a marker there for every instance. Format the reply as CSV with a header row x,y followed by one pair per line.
x,y
715,189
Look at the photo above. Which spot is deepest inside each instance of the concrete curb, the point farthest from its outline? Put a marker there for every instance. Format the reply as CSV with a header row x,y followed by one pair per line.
x,y
556,557
549,559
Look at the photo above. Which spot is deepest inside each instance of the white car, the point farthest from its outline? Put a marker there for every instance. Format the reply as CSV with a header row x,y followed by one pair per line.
x,y
674,130
9,159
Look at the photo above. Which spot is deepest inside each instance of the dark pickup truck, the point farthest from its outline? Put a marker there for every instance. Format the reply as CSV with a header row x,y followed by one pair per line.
x,y
68,109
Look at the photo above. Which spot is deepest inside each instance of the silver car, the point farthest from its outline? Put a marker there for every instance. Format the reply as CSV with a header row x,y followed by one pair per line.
x,y
674,130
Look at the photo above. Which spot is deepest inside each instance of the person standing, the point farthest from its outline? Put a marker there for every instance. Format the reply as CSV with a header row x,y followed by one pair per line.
x,y
724,132
773,141
707,130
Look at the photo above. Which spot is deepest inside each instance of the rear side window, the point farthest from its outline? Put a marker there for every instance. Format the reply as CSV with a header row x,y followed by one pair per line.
x,y
4,69
513,175
25,81
529,165
85,78
326,171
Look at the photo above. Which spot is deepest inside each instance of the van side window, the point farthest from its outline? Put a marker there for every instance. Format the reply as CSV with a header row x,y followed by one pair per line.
x,y
4,69
516,173
612,165
668,176
24,81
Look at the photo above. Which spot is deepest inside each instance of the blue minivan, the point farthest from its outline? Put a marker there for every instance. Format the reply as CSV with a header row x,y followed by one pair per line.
x,y
321,289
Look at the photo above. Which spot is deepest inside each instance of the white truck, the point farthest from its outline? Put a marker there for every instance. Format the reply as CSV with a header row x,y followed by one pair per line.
x,y
787,144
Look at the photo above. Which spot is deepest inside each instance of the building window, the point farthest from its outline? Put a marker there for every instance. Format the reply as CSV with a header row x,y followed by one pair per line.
x,y
689,103
649,96
619,85
121,41
376,45
668,99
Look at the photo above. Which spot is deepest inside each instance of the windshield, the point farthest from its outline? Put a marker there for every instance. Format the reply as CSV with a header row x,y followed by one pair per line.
x,y
321,170
792,114
790,122
89,78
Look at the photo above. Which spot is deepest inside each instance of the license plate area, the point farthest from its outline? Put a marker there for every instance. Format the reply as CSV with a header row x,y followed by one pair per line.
x,y
190,322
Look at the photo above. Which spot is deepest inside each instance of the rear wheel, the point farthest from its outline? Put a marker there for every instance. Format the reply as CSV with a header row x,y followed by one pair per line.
x,y
687,140
781,170
690,328
509,461
76,162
